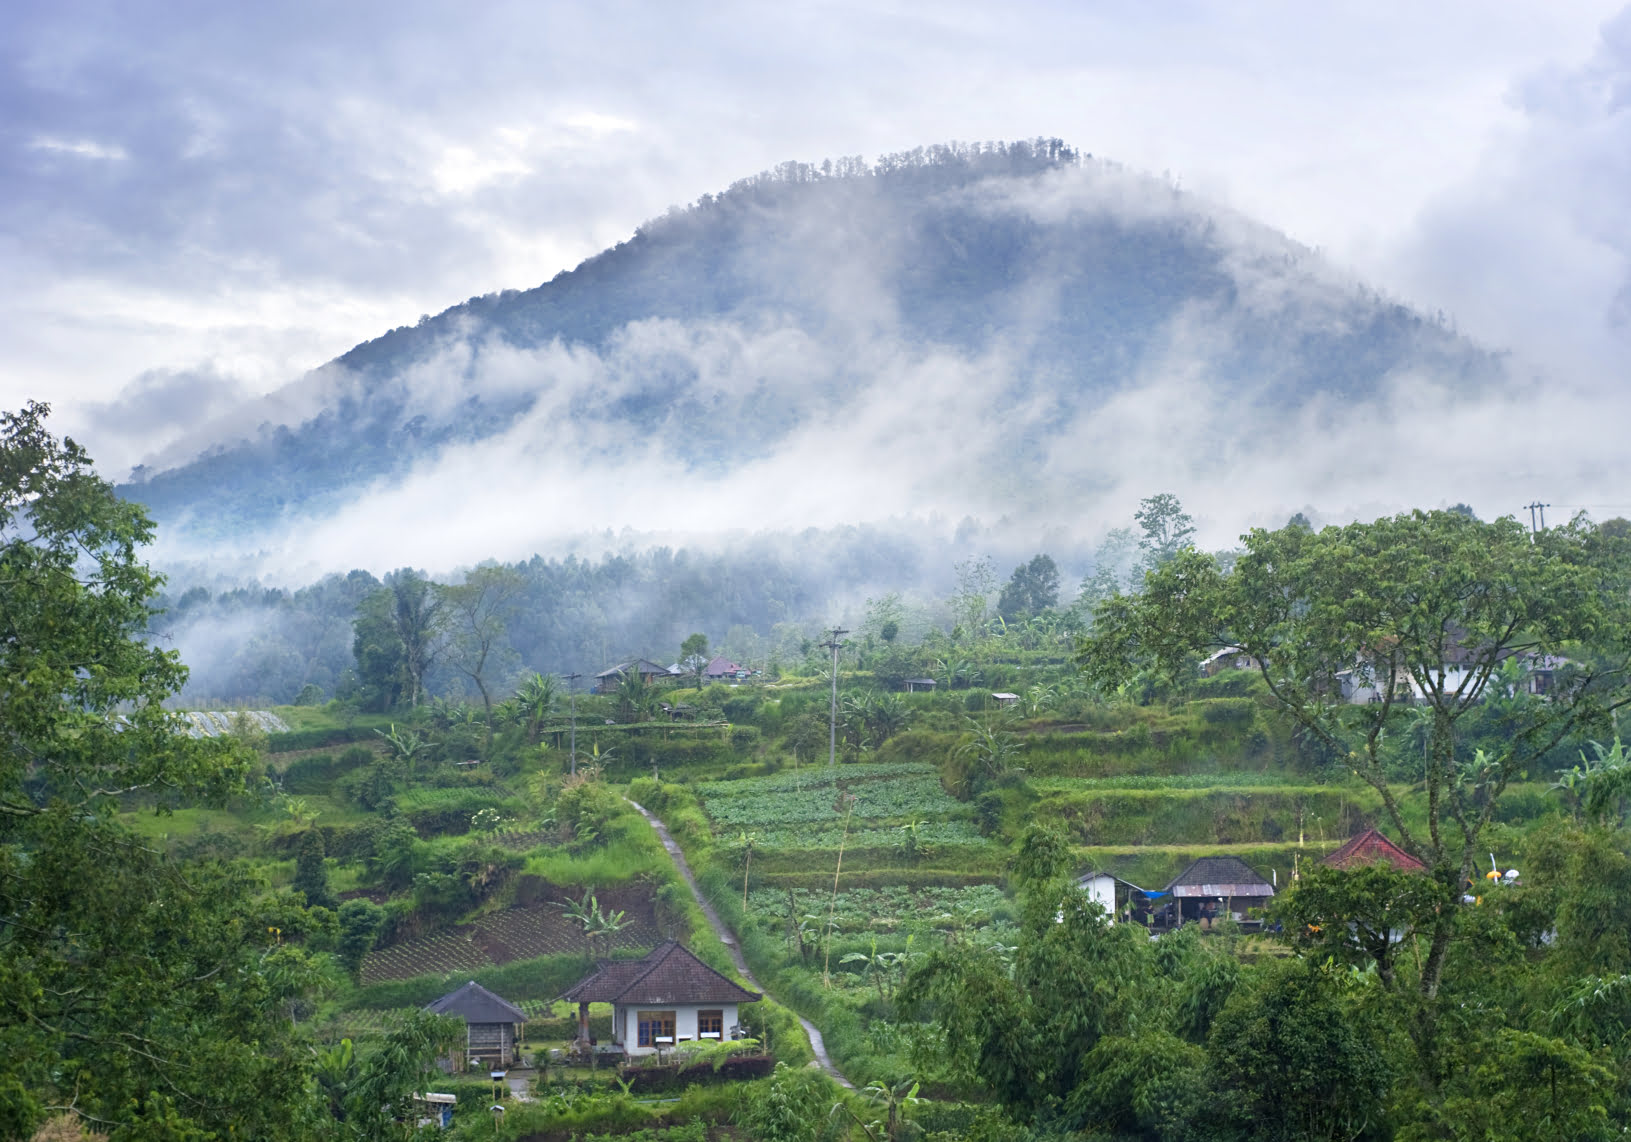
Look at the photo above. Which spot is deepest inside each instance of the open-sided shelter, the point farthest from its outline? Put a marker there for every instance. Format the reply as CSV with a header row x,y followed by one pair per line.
x,y
668,997
1218,885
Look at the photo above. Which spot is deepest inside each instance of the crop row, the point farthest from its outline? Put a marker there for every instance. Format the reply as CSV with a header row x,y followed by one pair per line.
x,y
435,954
1244,780
887,909
892,799
813,777
928,833
514,934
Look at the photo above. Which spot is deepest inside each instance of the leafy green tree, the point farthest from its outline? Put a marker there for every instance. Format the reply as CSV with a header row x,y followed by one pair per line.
x,y
360,922
1032,589
694,656
1023,1034
401,633
1167,529
1516,1086
310,871
1359,916
1297,1055
975,581
478,610
1433,604
146,995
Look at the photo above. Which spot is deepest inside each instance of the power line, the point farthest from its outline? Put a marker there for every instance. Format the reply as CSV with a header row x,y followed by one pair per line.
x,y
1533,506
834,645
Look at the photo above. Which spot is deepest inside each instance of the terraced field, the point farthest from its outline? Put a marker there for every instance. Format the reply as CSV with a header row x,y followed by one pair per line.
x,y
514,934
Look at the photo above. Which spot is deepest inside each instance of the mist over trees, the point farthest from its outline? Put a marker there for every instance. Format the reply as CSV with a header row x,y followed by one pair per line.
x,y
713,337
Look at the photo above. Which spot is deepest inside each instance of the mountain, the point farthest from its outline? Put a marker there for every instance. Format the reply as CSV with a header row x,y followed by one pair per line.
x,y
967,318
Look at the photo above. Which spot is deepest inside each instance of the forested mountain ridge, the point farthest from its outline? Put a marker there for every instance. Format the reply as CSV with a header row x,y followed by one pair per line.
x,y
716,333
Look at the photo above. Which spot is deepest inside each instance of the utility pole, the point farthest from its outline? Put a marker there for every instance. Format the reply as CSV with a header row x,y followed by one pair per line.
x,y
572,683
833,645
1533,507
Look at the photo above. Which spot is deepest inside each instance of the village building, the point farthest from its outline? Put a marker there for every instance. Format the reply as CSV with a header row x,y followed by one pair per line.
x,y
1229,658
491,1026
1214,887
1371,847
913,685
1119,898
666,998
1003,698
721,667
608,680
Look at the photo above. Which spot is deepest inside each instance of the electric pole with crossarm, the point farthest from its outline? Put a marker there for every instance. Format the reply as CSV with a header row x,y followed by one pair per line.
x,y
834,645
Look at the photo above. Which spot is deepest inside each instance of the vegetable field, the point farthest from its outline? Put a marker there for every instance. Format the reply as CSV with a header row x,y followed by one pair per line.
x,y
513,934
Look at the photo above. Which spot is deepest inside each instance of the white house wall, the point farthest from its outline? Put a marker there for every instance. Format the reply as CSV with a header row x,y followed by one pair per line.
x,y
685,1022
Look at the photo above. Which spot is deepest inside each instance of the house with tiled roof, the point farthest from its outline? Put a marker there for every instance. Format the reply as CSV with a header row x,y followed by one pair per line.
x,y
490,1024
1371,847
666,998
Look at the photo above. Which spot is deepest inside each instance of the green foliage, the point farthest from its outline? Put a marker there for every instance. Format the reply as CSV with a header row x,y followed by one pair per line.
x,y
1298,1054
1432,603
360,922
791,1106
311,874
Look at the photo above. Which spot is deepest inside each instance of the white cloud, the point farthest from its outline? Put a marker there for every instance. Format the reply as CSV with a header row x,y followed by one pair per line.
x,y
81,148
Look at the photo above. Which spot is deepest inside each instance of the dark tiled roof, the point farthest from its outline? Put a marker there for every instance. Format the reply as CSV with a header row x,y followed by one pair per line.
x,y
1371,847
668,974
1224,872
477,1005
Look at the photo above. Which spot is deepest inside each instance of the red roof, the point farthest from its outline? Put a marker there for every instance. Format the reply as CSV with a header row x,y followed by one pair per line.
x,y
1371,847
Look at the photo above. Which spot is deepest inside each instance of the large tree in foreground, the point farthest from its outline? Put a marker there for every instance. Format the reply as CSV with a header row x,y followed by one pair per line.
x,y
148,998
1448,621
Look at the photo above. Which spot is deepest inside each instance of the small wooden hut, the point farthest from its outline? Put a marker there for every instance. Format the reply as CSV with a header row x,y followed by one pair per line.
x,y
492,1025
1213,887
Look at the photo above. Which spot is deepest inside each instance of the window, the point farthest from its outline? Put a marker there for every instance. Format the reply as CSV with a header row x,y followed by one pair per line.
x,y
710,1024
655,1025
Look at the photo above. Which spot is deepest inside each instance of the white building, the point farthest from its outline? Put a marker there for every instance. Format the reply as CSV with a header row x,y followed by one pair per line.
x,y
667,998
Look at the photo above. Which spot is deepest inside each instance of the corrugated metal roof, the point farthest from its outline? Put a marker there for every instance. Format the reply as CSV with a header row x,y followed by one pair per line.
x,y
1220,876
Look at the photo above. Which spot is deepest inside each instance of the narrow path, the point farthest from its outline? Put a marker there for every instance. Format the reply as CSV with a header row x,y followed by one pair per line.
x,y
728,938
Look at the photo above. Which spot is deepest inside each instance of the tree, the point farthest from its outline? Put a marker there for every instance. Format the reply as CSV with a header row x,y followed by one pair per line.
x,y
975,582
120,969
479,610
1434,610
310,872
1024,1034
360,922
1113,566
401,633
694,656
1167,528
1032,589
1297,1057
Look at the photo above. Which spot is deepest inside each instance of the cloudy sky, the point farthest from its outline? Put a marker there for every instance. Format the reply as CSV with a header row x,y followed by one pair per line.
x,y
200,201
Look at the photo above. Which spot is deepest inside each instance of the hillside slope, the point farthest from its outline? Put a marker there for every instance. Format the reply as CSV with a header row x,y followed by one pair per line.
x,y
1014,288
